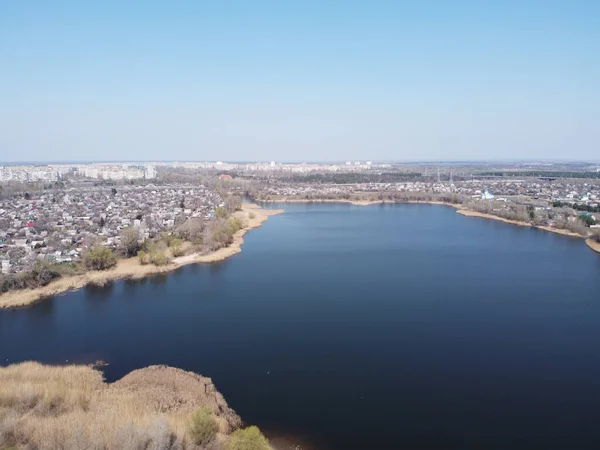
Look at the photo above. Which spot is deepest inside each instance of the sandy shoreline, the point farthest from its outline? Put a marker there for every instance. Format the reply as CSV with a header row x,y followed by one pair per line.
x,y
131,269
593,245
360,202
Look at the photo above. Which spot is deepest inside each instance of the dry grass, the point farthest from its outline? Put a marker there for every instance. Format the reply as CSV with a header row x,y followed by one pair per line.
x,y
71,407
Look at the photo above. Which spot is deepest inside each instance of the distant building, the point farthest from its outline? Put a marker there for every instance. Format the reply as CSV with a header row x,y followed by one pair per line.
x,y
150,172
225,176
487,195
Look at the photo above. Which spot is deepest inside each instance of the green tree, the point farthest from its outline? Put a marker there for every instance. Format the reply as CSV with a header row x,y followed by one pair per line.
x,y
247,439
99,258
203,427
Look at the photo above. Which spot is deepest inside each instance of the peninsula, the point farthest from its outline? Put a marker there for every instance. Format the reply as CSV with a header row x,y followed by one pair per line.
x,y
251,215
50,407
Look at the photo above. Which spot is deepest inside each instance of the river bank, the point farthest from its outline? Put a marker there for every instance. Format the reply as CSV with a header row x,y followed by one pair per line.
x,y
459,209
252,215
594,245
48,407
358,202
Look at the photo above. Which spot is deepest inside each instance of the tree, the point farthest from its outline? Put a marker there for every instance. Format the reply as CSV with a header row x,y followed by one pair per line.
x,y
182,204
102,222
203,427
99,258
247,439
221,213
27,196
587,220
233,203
129,241
113,191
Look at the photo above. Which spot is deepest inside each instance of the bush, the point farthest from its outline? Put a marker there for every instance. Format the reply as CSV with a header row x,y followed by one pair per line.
x,y
176,246
177,251
247,439
99,258
168,239
159,258
203,427
235,224
252,215
142,257
175,242
221,213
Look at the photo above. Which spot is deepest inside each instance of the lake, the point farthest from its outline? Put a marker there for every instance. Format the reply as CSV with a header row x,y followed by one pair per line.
x,y
347,327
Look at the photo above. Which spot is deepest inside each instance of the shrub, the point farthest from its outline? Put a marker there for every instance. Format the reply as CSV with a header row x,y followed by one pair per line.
x,y
203,427
168,239
99,258
177,251
247,439
159,258
142,257
252,215
221,213
235,224
175,242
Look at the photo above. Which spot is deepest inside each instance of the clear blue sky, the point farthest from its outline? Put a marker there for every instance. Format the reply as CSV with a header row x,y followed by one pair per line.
x,y
299,80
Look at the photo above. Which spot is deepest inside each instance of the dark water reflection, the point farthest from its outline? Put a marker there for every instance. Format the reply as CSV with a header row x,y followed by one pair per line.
x,y
340,327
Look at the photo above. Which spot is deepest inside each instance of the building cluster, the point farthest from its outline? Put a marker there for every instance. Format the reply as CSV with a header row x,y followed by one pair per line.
x,y
27,174
60,225
56,172
277,167
116,171
581,193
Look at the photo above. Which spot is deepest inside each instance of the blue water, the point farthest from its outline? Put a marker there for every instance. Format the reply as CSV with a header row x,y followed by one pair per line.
x,y
344,327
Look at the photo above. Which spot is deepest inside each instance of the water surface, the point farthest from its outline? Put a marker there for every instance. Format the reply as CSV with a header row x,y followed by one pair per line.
x,y
345,327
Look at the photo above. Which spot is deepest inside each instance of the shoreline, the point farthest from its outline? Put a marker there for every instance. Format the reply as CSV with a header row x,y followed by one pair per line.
x,y
595,246
361,202
131,269
85,402
459,210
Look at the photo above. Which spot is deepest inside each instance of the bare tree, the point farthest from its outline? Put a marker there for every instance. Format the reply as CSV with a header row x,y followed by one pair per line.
x,y
129,241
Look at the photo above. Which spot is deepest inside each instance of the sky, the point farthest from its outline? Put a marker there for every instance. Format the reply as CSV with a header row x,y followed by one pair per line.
x,y
299,80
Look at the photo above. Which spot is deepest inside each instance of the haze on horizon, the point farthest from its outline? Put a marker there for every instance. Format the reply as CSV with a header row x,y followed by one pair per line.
x,y
311,80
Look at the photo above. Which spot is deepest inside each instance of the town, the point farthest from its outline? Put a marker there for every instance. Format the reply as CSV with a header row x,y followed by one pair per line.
x,y
56,213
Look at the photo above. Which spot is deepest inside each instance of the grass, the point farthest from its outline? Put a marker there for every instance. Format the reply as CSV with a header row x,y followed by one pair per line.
x,y
71,407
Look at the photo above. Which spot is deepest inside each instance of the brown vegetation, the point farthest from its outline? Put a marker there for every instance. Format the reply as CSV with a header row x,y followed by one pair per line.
x,y
159,407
